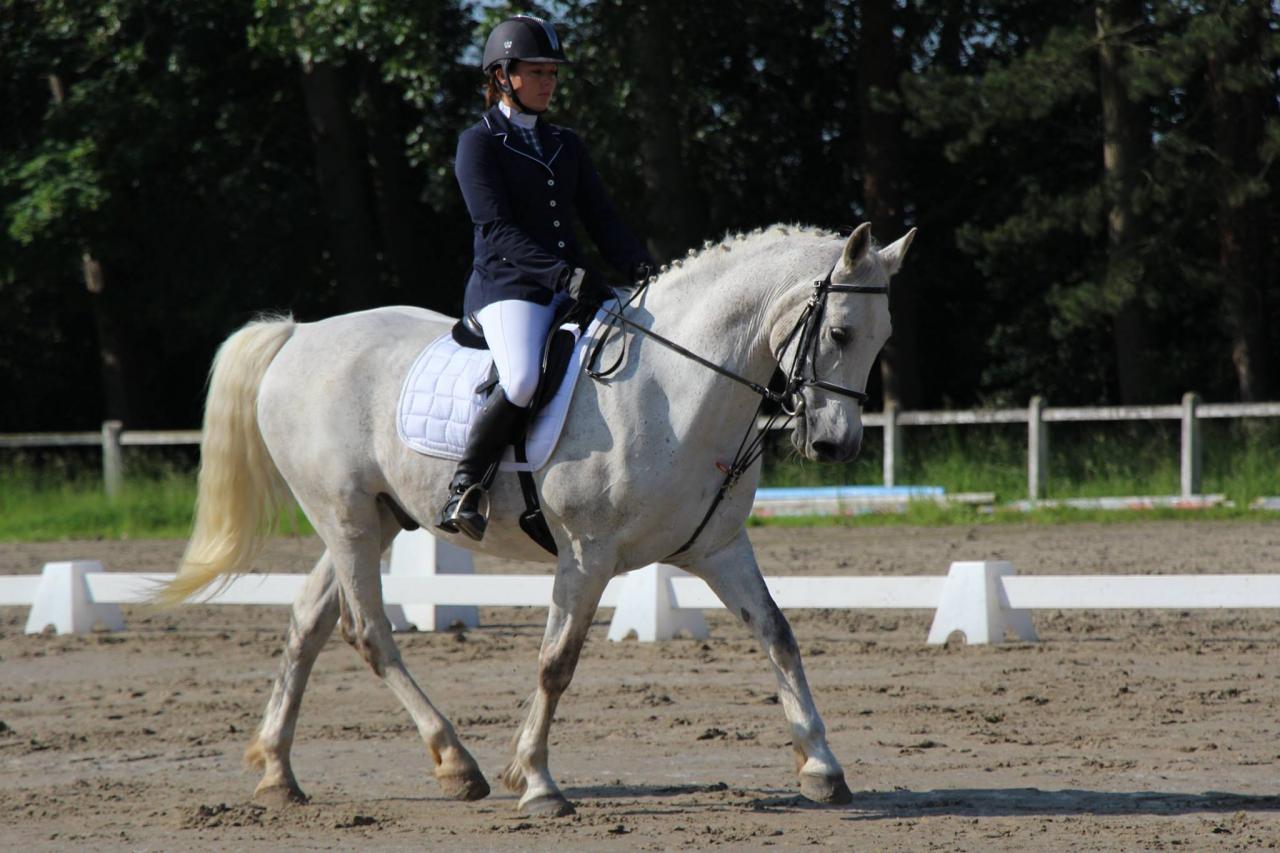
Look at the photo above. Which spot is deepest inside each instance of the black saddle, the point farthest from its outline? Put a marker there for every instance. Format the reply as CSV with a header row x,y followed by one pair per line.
x,y
468,332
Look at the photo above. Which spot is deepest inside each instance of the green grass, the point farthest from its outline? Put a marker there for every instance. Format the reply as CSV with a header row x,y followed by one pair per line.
x,y
61,496
35,506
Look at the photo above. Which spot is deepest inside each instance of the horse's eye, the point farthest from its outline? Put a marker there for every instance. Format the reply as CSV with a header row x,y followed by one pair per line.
x,y
840,334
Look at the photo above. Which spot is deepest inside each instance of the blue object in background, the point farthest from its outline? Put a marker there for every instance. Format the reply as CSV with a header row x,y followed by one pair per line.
x,y
835,493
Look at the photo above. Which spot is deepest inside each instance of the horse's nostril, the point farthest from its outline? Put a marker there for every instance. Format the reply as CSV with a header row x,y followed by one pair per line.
x,y
826,449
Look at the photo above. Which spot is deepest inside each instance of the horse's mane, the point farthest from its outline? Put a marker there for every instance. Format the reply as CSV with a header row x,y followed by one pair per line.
x,y
713,253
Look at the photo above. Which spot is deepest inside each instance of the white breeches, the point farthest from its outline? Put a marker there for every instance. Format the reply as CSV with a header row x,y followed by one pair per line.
x,y
516,331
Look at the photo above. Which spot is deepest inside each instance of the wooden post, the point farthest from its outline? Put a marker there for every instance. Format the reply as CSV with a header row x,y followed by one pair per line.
x,y
1191,446
892,441
1037,449
112,458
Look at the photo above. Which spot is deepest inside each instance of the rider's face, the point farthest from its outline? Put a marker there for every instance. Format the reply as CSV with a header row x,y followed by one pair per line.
x,y
534,82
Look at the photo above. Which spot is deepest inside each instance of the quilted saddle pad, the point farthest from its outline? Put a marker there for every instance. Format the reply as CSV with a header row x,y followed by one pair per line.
x,y
439,400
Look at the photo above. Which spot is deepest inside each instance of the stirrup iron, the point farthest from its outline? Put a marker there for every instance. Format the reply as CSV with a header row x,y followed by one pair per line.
x,y
473,523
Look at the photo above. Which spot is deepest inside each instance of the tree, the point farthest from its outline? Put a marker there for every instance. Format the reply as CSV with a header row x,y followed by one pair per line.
x,y
1243,101
1081,139
380,80
1007,94
881,123
1126,151
1084,198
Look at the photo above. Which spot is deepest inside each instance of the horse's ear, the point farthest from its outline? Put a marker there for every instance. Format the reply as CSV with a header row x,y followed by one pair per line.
x,y
893,254
856,247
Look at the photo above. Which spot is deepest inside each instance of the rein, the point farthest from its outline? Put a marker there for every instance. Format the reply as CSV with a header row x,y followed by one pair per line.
x,y
790,403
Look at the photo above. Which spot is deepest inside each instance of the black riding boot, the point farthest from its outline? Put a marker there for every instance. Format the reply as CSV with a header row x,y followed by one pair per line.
x,y
491,432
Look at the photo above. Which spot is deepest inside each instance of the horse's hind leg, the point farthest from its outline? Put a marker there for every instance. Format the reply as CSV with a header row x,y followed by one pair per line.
x,y
314,614
575,596
357,543
734,576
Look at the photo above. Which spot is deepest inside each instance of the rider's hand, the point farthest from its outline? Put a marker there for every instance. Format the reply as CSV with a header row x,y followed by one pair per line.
x,y
588,287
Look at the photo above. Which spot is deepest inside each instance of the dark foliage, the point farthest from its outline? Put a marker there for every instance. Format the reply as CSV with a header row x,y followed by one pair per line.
x,y
219,159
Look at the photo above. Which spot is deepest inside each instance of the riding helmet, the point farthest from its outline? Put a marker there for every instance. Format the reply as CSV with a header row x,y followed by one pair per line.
x,y
523,37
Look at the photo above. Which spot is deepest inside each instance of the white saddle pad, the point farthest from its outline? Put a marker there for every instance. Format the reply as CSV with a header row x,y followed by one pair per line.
x,y
439,400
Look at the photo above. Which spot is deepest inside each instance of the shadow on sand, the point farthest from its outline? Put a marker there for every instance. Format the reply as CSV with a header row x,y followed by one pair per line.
x,y
964,802
1012,802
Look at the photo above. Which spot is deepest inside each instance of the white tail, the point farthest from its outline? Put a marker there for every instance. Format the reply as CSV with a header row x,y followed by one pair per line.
x,y
240,493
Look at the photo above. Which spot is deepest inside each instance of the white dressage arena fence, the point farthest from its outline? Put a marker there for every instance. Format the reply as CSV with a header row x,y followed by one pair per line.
x,y
431,585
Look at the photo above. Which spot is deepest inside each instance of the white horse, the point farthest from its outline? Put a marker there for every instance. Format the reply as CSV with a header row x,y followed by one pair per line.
x,y
311,409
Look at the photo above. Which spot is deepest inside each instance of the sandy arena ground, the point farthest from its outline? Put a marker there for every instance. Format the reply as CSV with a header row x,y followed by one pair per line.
x,y
1118,731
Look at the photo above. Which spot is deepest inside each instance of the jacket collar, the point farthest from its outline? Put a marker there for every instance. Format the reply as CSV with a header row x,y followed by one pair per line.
x,y
525,121
548,136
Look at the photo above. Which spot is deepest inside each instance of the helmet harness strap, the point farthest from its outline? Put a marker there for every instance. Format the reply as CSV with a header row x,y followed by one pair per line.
x,y
504,85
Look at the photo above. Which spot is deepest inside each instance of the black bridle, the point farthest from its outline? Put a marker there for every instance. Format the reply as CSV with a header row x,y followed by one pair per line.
x,y
809,326
806,333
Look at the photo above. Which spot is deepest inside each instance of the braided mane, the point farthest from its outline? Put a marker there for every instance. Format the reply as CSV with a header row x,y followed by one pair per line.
x,y
740,240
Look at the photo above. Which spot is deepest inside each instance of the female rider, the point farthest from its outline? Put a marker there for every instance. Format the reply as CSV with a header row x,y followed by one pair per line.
x,y
524,180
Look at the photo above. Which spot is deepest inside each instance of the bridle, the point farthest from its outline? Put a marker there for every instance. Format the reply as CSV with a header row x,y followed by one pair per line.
x,y
806,333
809,327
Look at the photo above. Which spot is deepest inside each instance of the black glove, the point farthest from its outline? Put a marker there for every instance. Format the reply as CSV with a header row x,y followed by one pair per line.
x,y
587,287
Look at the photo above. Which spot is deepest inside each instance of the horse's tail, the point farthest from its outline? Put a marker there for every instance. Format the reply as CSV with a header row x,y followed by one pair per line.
x,y
240,492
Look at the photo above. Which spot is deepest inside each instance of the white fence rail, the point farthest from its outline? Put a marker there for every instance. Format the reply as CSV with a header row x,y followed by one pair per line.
x,y
984,601
1037,416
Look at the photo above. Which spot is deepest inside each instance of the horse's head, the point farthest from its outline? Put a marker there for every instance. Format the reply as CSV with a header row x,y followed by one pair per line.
x,y
827,347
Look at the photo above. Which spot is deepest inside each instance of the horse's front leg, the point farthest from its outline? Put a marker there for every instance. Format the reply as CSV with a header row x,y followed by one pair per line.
x,y
734,576
575,595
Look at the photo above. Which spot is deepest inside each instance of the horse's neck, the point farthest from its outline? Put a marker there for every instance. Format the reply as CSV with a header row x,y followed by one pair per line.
x,y
726,313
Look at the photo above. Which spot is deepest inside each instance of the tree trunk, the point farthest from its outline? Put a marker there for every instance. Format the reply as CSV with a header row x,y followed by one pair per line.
x,y
402,218
1125,147
344,185
882,140
1239,117
111,360
675,213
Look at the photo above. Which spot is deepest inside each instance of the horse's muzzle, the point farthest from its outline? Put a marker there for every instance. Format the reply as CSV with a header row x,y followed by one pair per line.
x,y
823,450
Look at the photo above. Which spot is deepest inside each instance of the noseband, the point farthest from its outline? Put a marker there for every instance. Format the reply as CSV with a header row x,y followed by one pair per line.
x,y
808,330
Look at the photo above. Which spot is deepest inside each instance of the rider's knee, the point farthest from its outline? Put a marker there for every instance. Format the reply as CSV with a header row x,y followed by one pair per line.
x,y
521,385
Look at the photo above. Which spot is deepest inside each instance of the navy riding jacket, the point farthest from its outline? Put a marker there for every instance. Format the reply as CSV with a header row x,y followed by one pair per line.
x,y
524,209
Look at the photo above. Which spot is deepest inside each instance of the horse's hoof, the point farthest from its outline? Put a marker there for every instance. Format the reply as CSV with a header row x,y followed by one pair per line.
x,y
464,786
548,805
828,790
279,796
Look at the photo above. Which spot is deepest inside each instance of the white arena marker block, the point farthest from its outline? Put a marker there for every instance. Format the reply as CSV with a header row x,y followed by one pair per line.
x,y
63,601
646,605
973,602
416,553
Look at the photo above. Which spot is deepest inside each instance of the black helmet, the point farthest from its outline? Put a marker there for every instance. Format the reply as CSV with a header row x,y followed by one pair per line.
x,y
523,37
